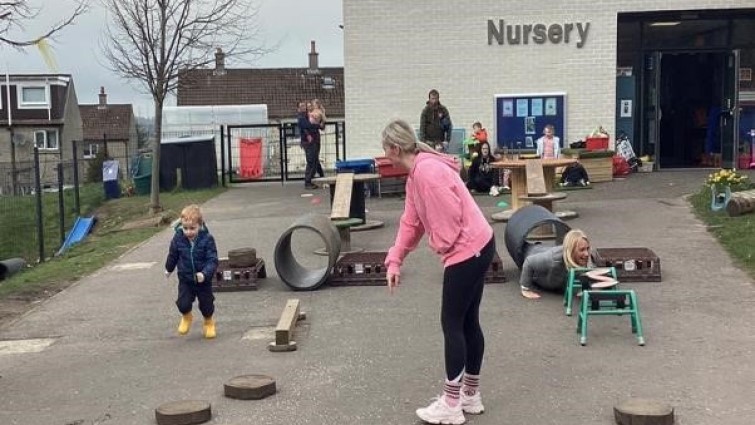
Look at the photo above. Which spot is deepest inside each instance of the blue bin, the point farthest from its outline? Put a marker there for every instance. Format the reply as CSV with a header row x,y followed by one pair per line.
x,y
356,166
112,189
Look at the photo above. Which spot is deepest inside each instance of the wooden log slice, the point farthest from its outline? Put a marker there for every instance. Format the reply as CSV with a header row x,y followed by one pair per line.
x,y
250,387
242,257
184,412
641,411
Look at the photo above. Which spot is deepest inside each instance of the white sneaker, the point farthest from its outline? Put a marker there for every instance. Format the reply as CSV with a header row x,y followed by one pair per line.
x,y
472,404
494,191
441,413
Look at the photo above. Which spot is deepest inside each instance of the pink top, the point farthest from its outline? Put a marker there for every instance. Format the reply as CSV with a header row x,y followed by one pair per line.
x,y
438,203
548,151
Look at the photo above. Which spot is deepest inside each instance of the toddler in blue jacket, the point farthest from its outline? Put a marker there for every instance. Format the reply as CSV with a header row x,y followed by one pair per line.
x,y
194,253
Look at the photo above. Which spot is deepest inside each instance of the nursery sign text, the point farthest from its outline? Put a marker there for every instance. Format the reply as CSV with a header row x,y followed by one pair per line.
x,y
514,34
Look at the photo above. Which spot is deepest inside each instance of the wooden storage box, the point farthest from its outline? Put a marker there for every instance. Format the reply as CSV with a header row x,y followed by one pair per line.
x,y
359,269
368,269
632,264
229,278
598,164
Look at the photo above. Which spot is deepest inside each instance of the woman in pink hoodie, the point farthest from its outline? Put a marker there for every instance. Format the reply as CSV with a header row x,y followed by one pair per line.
x,y
439,204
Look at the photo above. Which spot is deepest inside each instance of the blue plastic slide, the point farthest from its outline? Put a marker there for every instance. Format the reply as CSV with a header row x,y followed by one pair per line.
x,y
80,230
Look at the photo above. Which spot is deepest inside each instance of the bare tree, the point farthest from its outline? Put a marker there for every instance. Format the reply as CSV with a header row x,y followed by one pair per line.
x,y
152,41
14,14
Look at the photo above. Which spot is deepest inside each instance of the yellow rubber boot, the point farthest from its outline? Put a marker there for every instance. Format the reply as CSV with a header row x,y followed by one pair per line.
x,y
209,328
185,325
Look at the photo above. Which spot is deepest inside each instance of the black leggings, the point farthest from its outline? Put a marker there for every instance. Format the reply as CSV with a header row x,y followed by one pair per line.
x,y
460,313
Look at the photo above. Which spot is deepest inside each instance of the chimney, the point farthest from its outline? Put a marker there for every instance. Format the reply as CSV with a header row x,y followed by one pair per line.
x,y
313,66
219,62
103,98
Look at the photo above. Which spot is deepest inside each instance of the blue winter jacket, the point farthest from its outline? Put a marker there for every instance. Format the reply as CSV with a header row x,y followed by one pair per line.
x,y
192,258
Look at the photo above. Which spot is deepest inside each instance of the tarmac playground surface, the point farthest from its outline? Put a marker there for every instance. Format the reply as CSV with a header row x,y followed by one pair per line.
x,y
105,351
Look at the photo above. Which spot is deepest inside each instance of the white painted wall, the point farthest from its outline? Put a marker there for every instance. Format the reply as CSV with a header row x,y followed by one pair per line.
x,y
395,52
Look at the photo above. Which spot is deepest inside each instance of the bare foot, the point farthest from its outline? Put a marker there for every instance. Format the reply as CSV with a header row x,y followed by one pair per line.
x,y
530,295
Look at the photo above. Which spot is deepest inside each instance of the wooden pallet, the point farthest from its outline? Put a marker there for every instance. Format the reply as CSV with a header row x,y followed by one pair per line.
x,y
368,269
228,279
632,264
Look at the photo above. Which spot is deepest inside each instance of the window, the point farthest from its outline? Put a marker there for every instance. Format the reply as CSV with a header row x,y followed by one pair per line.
x,y
33,97
46,139
328,83
90,151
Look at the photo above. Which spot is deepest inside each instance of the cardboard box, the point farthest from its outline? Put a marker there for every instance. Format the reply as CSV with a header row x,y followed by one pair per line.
x,y
646,167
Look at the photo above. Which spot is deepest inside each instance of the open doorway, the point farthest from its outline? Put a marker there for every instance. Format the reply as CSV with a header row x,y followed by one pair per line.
x,y
691,94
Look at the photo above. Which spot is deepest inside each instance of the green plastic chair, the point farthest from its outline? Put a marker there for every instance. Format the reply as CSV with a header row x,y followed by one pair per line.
x,y
615,302
573,282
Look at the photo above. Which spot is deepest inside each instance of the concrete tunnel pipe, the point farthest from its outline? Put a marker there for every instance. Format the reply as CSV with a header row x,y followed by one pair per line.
x,y
10,267
522,222
293,274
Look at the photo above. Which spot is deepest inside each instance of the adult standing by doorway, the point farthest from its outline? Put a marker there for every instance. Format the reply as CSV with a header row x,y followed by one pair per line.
x,y
435,123
310,142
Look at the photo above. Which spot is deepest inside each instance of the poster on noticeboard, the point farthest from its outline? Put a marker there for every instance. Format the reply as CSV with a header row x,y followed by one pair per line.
x,y
521,118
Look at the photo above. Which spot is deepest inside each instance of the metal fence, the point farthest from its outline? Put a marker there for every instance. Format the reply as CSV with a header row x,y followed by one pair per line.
x,y
40,198
272,152
38,205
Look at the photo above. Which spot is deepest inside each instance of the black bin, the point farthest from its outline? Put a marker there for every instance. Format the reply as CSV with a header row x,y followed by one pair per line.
x,y
194,157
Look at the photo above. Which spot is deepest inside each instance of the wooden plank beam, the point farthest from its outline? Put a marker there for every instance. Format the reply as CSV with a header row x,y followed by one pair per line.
x,y
342,196
284,331
536,178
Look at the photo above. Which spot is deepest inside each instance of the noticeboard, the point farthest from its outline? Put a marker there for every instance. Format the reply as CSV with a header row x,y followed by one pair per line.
x,y
521,118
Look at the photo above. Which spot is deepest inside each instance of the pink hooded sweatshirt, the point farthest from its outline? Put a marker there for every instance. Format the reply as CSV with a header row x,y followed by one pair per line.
x,y
437,202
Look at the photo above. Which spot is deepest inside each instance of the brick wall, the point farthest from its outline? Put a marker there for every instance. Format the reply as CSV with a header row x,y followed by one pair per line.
x,y
394,53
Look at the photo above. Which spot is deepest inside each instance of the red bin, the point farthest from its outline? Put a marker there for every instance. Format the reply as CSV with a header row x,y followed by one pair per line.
x,y
250,155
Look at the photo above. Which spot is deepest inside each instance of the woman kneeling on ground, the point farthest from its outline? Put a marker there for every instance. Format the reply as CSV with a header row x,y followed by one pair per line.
x,y
547,267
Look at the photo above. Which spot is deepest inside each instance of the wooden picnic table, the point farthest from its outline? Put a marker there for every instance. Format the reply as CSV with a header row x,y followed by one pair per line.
x,y
518,169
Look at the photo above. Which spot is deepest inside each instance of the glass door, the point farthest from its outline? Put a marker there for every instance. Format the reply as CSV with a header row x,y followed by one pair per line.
x,y
651,111
730,110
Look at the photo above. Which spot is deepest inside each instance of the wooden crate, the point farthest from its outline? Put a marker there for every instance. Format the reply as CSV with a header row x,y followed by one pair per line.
x,y
495,272
599,168
368,269
229,278
632,264
359,269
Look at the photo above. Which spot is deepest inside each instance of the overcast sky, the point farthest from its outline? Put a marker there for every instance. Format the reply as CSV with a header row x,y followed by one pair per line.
x,y
289,23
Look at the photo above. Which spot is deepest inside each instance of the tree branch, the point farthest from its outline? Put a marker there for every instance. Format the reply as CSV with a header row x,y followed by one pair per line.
x,y
15,13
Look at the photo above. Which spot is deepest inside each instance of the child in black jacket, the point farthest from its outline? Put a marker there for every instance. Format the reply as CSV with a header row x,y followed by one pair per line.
x,y
193,251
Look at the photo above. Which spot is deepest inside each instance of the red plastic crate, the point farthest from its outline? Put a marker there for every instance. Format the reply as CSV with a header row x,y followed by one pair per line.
x,y
596,143
387,169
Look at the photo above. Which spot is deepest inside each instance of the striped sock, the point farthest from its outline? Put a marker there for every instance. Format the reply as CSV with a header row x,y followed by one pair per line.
x,y
451,390
471,384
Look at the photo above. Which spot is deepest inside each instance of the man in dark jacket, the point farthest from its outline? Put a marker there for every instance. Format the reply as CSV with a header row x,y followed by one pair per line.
x,y
310,142
435,123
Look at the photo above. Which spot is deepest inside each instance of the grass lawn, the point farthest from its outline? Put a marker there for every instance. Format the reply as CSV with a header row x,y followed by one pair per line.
x,y
736,234
109,239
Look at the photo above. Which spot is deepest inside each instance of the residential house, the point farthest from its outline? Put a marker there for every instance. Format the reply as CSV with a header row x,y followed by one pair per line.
x,y
281,89
36,110
110,128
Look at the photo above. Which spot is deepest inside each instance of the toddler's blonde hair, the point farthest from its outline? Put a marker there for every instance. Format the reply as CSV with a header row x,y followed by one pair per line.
x,y
192,213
